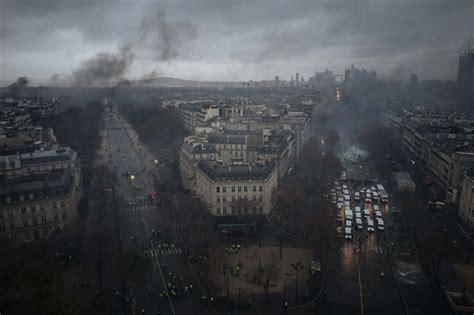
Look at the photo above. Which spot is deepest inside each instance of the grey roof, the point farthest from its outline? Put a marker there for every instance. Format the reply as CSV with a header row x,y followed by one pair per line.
x,y
220,172
54,184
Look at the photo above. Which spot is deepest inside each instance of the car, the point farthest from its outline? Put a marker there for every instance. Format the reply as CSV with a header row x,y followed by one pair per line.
x,y
344,186
348,223
366,212
347,197
358,215
339,205
375,197
339,199
357,209
376,208
378,214
348,233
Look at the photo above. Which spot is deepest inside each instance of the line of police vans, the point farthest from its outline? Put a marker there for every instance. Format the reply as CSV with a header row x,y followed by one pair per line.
x,y
354,218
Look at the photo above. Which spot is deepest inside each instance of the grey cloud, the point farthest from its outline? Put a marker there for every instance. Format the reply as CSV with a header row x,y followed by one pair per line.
x,y
392,37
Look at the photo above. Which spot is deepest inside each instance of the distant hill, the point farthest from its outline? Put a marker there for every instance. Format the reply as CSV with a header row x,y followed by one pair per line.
x,y
174,82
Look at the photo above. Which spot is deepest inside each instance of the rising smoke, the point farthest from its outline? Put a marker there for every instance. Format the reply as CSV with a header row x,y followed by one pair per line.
x,y
157,36
18,88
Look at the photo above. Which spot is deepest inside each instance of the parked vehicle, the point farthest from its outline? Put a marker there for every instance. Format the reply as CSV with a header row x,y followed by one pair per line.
x,y
348,233
380,224
359,225
370,225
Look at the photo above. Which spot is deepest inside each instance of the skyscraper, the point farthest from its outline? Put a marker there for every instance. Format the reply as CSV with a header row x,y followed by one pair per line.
x,y
413,79
466,78
297,77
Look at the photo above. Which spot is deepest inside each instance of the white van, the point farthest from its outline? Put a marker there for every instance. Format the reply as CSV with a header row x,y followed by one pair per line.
x,y
348,233
359,225
375,197
380,224
348,214
370,225
356,196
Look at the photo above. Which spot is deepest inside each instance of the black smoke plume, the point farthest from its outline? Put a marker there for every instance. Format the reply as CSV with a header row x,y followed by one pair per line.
x,y
18,88
157,36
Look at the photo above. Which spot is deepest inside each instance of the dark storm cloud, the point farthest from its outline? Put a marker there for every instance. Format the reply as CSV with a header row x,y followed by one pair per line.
x,y
253,38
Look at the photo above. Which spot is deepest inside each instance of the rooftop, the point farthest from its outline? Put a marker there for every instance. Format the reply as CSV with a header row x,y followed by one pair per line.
x,y
220,172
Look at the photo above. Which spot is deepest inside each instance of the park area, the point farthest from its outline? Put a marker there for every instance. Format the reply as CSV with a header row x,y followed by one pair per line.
x,y
252,268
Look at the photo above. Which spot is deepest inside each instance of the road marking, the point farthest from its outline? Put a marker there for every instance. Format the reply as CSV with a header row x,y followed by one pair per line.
x,y
360,285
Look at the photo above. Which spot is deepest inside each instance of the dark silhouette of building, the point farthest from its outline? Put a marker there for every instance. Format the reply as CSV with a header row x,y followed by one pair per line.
x,y
466,78
413,79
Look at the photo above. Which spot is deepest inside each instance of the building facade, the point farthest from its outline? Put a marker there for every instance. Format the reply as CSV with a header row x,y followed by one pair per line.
x,y
233,190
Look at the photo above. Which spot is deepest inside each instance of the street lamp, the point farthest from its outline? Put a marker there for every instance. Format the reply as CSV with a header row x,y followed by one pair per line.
x,y
297,266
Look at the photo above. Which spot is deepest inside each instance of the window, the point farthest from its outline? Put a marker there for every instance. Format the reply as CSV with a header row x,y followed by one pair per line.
x,y
239,188
35,221
25,222
260,210
245,198
23,210
27,236
224,189
42,207
218,189
224,199
240,210
233,198
45,232
254,198
254,188
240,198
260,188
224,211
33,209
55,205
12,225
63,204
233,188
233,210
2,227
254,209
245,188
218,199
64,216
260,198
43,219
56,218
13,237
218,211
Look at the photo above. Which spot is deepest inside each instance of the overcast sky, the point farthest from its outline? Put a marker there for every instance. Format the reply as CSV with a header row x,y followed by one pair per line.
x,y
236,39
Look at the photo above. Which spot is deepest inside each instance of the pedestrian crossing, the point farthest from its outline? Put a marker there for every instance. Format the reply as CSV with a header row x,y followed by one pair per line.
x,y
162,252
139,208
136,199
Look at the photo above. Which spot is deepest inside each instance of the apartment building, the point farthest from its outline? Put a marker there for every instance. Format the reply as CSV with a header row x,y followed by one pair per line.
x,y
233,190
38,205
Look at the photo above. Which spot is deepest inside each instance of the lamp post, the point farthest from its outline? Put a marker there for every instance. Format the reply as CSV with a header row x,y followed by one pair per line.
x,y
297,266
